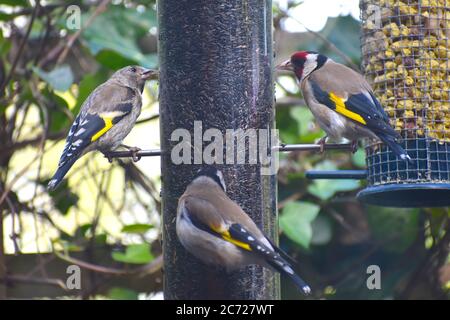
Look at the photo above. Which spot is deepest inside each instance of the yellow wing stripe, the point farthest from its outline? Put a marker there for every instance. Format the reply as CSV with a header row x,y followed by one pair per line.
x,y
340,108
108,125
227,237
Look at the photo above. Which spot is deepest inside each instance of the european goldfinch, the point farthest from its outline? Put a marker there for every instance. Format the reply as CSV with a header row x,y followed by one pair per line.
x,y
217,231
341,100
105,118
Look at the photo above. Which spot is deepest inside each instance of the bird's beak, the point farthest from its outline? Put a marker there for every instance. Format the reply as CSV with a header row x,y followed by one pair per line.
x,y
150,74
285,65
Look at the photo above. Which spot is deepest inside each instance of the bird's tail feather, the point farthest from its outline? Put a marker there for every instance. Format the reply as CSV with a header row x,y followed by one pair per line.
x,y
60,173
396,147
283,267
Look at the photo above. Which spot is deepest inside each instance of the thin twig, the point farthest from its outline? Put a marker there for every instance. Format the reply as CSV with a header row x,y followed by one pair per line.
x,y
21,47
328,43
100,9
20,174
31,280
153,117
152,267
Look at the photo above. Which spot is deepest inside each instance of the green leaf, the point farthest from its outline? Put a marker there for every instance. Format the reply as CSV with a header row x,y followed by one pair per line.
x,y
343,32
122,294
60,78
359,158
401,225
119,30
86,86
321,230
324,189
83,230
63,197
15,3
295,221
305,122
289,132
135,253
58,118
137,228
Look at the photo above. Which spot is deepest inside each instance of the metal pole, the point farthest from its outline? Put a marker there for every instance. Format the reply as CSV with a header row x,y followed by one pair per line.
x,y
280,148
215,67
336,174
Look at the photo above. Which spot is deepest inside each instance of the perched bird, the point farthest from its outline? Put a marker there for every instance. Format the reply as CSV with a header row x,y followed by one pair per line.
x,y
218,232
342,101
105,119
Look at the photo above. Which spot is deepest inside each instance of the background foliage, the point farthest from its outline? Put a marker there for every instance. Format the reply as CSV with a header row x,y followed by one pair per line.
x,y
105,217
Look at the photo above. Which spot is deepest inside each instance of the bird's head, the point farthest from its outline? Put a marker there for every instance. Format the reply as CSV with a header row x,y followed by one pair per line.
x,y
135,76
303,63
212,174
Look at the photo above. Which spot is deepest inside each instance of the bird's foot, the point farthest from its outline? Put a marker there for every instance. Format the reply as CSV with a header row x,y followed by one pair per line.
x,y
322,142
354,146
108,156
134,152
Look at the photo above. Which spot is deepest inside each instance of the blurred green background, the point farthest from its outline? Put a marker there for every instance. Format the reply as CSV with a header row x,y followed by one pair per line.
x,y
106,217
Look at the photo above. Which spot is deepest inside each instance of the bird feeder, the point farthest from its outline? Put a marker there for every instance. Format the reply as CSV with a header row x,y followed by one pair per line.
x,y
405,46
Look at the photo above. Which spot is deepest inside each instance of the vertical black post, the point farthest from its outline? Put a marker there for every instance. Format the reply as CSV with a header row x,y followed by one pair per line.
x,y
215,67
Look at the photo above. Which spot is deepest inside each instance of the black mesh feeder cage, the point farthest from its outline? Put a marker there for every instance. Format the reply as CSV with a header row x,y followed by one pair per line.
x,y
405,47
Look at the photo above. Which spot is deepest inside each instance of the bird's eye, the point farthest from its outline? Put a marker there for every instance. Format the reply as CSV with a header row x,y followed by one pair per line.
x,y
133,69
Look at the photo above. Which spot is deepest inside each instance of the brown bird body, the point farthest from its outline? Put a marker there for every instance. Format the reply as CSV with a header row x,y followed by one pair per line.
x,y
217,231
342,101
334,124
105,118
116,93
208,202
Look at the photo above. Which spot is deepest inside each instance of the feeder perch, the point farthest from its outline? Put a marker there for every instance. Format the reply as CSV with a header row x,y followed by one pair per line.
x,y
406,60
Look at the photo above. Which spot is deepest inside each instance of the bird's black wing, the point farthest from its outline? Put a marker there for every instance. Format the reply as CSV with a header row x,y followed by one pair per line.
x,y
88,128
358,108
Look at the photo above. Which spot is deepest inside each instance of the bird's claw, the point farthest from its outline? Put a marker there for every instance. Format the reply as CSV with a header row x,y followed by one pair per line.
x,y
354,146
108,156
322,142
134,155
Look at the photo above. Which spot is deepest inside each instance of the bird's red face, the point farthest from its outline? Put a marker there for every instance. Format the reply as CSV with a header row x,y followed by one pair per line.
x,y
302,63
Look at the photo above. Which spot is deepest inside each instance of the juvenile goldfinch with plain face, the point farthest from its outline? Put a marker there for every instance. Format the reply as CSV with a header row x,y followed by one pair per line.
x,y
217,231
105,119
341,100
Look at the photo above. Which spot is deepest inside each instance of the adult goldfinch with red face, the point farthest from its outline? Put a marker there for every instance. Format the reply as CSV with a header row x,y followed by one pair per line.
x,y
217,231
105,119
341,100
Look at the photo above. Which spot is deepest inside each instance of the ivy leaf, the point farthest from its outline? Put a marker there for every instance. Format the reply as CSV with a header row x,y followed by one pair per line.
x,y
86,86
322,230
118,30
63,197
324,189
296,219
137,228
359,158
60,78
135,253
401,224
21,3
122,294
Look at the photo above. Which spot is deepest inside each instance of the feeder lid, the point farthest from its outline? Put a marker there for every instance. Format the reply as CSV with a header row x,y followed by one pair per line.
x,y
407,195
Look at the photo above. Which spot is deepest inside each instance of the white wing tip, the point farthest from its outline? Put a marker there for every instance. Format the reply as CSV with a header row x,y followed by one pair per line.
x,y
405,157
306,289
52,184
